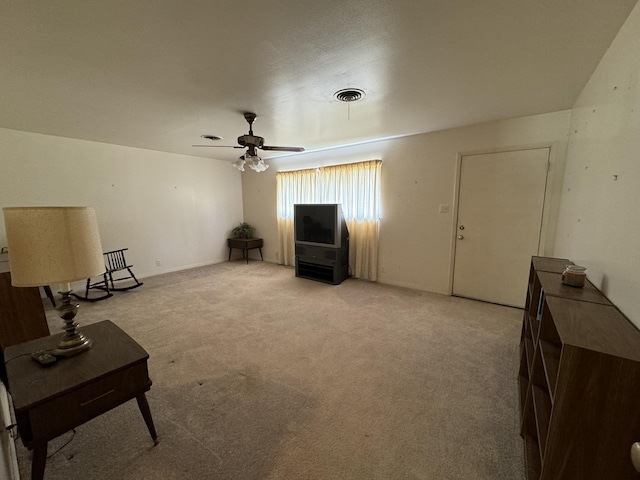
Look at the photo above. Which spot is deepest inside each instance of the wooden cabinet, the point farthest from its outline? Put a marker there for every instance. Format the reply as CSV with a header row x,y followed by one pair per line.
x,y
579,380
22,316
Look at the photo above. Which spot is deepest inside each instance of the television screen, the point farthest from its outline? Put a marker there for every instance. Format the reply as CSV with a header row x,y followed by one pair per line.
x,y
316,223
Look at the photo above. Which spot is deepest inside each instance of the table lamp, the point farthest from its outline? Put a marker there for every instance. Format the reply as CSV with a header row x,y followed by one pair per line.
x,y
49,245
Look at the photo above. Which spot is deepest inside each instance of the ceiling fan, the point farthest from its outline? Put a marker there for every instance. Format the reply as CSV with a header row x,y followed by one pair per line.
x,y
251,142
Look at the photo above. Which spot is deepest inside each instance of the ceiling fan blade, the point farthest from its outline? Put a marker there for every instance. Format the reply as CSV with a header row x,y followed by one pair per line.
x,y
282,149
219,146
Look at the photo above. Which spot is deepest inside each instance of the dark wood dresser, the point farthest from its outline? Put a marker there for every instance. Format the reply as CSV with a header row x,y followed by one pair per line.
x,y
22,316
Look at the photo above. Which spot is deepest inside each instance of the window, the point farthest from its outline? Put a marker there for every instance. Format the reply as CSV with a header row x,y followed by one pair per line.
x,y
356,187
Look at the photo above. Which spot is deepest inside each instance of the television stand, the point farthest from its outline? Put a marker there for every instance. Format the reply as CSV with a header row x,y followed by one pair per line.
x,y
322,264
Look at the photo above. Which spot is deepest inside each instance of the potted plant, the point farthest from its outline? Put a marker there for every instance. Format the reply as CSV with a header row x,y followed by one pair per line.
x,y
243,230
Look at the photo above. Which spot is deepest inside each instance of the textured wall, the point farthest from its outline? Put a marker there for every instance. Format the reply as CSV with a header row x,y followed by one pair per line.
x,y
172,208
599,222
418,175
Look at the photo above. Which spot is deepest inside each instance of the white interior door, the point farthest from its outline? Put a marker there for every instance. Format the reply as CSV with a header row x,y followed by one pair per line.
x,y
500,204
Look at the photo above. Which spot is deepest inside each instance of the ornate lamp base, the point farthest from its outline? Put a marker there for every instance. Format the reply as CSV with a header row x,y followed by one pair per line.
x,y
72,342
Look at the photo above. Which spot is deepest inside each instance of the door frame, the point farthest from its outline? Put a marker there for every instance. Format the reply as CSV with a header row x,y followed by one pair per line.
x,y
550,207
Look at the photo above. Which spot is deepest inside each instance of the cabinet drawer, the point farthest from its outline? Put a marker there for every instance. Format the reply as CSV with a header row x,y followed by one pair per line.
x,y
71,409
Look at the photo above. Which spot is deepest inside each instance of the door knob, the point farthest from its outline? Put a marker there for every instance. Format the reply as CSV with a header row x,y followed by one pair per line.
x,y
460,237
635,456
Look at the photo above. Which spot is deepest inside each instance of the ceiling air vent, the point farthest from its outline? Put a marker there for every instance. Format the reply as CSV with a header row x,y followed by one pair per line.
x,y
349,95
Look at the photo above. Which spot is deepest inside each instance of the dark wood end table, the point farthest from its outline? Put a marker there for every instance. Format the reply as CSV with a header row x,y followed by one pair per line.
x,y
245,244
51,400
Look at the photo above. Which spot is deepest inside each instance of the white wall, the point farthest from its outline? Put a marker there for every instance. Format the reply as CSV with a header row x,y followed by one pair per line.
x,y
418,174
599,222
173,208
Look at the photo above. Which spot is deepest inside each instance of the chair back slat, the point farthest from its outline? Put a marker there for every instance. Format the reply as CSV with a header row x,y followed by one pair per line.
x,y
115,260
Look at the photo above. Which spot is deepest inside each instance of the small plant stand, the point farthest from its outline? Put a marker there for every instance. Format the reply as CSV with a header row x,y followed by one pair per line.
x,y
245,244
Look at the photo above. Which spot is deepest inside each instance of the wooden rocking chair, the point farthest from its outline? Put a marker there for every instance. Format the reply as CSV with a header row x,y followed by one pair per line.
x,y
114,261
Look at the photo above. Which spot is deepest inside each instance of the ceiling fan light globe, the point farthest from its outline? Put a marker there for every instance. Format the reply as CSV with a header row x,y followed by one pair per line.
x,y
258,165
239,163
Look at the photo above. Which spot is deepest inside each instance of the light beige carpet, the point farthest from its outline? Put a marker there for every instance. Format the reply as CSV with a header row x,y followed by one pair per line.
x,y
258,374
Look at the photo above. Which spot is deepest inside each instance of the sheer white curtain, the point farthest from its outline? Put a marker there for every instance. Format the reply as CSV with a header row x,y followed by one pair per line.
x,y
356,187
300,186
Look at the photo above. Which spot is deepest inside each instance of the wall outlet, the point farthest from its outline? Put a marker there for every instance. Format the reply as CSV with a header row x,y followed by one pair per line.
x,y
444,209
158,263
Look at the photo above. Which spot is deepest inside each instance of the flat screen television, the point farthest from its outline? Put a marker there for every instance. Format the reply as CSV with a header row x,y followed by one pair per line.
x,y
320,224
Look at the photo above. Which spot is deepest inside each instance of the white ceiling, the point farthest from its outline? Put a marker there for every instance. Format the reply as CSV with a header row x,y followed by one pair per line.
x,y
157,74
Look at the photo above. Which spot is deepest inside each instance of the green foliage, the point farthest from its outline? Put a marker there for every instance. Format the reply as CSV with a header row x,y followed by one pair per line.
x,y
243,230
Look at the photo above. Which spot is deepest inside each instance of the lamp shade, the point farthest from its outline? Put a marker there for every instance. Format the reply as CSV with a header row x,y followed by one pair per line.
x,y
52,245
